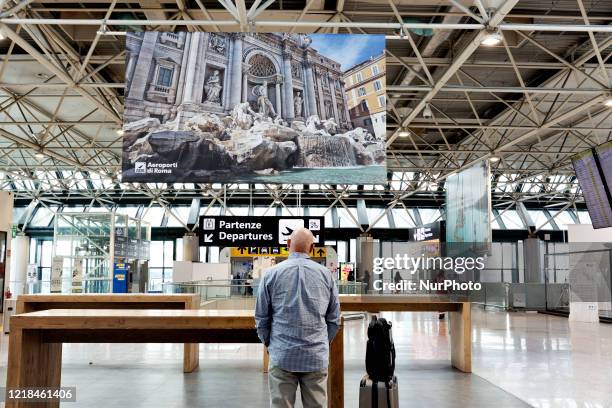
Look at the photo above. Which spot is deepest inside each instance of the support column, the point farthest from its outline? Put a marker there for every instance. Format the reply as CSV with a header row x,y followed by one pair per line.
x,y
288,107
279,110
236,75
191,248
129,69
365,254
181,82
310,99
6,225
192,65
143,66
19,265
245,88
323,113
332,86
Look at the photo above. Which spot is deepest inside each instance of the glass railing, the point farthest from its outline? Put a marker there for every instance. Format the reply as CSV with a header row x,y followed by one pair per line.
x,y
529,296
89,285
239,288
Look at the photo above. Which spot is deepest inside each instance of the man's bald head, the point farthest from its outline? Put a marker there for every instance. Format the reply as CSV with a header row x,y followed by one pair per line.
x,y
301,240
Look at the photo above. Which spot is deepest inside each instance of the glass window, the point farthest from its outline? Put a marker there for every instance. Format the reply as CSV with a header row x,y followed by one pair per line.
x,y
364,105
130,211
359,77
377,85
402,218
239,211
160,265
179,249
352,250
154,216
512,220
374,213
341,248
584,217
164,76
381,101
214,255
563,220
346,221
375,70
182,213
33,250
429,215
362,91
43,217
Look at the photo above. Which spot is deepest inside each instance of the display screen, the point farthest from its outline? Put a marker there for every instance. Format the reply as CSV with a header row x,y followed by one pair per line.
x,y
257,108
592,169
347,271
604,155
468,208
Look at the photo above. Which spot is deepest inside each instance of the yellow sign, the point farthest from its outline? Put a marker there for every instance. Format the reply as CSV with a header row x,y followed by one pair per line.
x,y
247,252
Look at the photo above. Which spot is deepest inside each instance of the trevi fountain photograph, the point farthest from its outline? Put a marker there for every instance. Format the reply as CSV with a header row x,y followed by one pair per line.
x,y
254,108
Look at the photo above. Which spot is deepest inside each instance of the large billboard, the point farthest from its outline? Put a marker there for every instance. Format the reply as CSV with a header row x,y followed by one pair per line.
x,y
257,108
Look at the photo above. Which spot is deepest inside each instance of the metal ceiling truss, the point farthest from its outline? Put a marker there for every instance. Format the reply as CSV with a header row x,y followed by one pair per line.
x,y
529,103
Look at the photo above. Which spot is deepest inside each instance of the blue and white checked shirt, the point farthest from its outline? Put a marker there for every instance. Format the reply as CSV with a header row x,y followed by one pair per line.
x,y
298,314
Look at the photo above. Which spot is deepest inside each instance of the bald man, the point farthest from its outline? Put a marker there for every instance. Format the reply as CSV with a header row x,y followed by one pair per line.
x,y
297,316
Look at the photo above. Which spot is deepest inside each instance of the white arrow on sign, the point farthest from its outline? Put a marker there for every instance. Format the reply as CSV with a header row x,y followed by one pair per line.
x,y
208,237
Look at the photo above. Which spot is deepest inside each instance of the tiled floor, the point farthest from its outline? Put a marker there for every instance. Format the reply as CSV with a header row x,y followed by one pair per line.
x,y
518,359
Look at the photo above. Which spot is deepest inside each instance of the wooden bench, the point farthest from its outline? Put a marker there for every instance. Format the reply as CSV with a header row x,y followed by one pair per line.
x,y
459,315
33,303
35,342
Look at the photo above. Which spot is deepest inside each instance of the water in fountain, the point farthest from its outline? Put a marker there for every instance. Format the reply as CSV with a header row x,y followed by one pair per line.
x,y
325,151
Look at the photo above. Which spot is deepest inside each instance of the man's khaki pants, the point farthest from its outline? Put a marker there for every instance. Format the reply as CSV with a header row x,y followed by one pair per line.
x,y
283,387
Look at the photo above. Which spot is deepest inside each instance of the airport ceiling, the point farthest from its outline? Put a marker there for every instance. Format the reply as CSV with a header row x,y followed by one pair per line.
x,y
526,104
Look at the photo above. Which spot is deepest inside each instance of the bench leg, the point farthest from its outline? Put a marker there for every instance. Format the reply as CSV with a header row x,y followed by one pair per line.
x,y
461,338
32,363
335,379
191,357
266,360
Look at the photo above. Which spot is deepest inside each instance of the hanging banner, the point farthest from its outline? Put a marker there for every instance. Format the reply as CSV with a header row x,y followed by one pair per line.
x,y
256,232
77,276
32,273
57,267
254,108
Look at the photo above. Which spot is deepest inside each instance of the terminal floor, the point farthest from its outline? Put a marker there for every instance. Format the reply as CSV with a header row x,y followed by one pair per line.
x,y
519,360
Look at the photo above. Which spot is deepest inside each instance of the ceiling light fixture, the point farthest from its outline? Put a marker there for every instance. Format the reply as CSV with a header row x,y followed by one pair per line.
x,y
39,154
494,159
608,102
404,133
120,132
427,113
494,37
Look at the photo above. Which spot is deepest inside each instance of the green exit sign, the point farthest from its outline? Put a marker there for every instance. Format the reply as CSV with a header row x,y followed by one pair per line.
x,y
14,231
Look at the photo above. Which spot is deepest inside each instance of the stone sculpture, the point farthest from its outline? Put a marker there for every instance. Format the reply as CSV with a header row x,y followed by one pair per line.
x,y
297,102
264,106
217,43
213,88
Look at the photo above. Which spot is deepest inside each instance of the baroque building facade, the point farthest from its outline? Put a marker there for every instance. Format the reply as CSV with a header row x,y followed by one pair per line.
x,y
366,95
174,76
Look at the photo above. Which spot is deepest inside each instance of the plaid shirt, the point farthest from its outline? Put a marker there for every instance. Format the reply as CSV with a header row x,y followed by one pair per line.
x,y
298,314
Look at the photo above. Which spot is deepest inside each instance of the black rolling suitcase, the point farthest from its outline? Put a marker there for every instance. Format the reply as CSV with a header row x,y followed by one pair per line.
x,y
378,394
378,388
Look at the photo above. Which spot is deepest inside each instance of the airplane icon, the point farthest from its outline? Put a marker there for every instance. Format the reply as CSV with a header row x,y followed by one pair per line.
x,y
286,226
